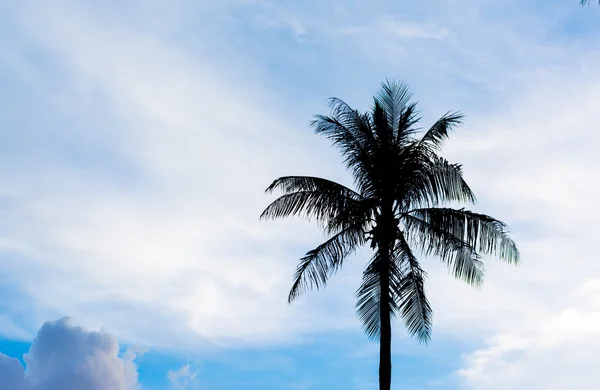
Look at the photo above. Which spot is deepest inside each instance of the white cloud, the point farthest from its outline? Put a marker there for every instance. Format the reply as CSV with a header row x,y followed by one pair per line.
x,y
540,173
164,224
183,378
67,357
559,353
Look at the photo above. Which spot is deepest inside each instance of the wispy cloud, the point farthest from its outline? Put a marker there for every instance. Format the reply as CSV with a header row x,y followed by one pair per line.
x,y
160,208
183,378
409,30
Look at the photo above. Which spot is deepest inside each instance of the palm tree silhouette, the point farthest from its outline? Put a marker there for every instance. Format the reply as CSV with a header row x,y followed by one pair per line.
x,y
404,190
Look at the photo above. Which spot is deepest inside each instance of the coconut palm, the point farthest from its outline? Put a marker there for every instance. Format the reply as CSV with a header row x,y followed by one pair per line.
x,y
401,205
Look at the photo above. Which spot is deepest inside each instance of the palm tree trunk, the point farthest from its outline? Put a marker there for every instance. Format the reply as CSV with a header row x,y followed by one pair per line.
x,y
386,243
385,341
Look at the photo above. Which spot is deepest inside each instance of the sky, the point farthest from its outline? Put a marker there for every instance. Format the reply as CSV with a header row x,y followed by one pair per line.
x,y
137,140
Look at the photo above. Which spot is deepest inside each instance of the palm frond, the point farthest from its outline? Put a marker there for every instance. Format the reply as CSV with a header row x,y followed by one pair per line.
x,y
288,184
466,265
383,130
318,264
368,298
408,286
311,197
369,294
434,137
407,293
355,213
394,99
462,260
349,125
408,119
352,133
482,233
439,181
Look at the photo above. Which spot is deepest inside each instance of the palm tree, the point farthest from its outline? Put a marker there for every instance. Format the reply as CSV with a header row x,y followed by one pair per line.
x,y
402,203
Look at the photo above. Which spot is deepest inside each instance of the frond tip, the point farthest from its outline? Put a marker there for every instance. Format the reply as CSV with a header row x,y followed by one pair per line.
x,y
433,139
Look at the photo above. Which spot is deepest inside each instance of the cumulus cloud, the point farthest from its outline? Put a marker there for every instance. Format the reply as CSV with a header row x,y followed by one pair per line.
x,y
68,357
12,375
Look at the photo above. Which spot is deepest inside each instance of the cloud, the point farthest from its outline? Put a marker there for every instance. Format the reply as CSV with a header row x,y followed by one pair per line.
x,y
155,208
408,30
557,353
182,378
11,373
538,170
68,357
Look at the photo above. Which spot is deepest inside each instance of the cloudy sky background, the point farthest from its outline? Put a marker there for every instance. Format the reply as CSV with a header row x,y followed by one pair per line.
x,y
137,140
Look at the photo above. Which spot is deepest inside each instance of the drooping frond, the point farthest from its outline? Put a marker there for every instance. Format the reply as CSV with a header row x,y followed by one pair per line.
x,y
448,181
462,260
317,265
311,197
433,139
407,293
369,294
438,181
466,265
409,290
482,233
368,298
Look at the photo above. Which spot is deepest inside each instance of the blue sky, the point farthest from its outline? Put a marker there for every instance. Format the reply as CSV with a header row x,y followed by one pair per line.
x,y
138,138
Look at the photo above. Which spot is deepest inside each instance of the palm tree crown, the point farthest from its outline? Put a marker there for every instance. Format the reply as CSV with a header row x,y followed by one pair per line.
x,y
402,202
